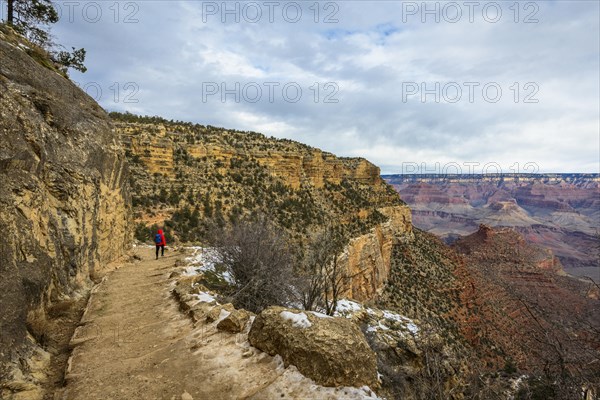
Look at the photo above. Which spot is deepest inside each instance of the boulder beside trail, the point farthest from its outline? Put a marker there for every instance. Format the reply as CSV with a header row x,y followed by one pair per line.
x,y
216,312
235,322
331,351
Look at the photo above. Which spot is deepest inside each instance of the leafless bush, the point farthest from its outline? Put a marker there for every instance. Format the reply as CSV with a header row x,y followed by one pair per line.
x,y
322,277
432,372
259,260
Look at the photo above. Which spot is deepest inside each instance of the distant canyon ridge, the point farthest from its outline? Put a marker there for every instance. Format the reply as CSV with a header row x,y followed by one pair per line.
x,y
560,212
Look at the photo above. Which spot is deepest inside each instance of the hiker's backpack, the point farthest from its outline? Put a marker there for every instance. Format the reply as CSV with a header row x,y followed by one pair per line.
x,y
157,238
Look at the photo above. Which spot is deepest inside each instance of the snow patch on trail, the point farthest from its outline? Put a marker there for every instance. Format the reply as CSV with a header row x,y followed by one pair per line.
x,y
320,315
279,364
292,384
143,246
190,271
200,258
298,320
250,322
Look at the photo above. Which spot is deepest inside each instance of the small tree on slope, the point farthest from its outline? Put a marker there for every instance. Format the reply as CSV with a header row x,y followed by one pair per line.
x,y
32,18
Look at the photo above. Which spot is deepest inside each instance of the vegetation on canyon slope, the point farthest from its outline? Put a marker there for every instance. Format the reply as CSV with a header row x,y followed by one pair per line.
x,y
236,183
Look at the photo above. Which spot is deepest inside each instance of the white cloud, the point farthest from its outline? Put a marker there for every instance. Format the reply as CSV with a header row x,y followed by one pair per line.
x,y
174,51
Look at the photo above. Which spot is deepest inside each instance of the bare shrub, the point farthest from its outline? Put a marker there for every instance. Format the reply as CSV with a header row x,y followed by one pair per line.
x,y
259,259
322,277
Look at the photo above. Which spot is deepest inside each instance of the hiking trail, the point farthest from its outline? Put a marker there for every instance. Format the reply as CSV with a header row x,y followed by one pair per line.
x,y
133,342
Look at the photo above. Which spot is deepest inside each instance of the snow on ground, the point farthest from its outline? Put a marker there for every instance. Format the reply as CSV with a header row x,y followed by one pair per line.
x,y
379,326
298,320
222,315
204,259
143,246
347,307
515,383
190,271
388,316
201,257
407,322
292,384
299,386
320,315
205,298
414,329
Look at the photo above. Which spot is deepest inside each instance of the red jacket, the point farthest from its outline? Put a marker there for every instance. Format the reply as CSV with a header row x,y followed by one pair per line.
x,y
162,236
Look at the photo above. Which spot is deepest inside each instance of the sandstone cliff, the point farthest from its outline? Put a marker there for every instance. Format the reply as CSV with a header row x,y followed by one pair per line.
x,y
368,258
213,172
64,203
294,163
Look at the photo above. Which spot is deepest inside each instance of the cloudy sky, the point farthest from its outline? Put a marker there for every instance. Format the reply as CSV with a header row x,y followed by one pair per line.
x,y
409,85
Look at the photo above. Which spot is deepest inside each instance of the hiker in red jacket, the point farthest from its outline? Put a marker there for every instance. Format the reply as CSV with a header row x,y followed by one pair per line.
x,y
159,240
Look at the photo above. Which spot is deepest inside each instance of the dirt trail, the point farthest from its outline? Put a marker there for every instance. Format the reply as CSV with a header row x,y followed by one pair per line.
x,y
134,343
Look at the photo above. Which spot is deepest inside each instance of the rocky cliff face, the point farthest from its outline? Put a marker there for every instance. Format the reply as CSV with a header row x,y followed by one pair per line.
x,y
556,211
501,304
64,204
218,173
368,258
294,163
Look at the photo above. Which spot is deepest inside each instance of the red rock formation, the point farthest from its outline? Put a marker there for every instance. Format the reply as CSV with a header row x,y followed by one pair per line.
x,y
522,310
559,212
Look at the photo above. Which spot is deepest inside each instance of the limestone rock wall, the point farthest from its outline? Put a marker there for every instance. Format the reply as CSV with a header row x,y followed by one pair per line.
x,y
367,258
157,154
64,203
155,146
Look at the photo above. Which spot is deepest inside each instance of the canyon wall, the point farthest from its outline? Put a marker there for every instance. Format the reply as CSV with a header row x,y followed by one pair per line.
x,y
341,190
293,163
560,212
542,320
367,259
64,203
